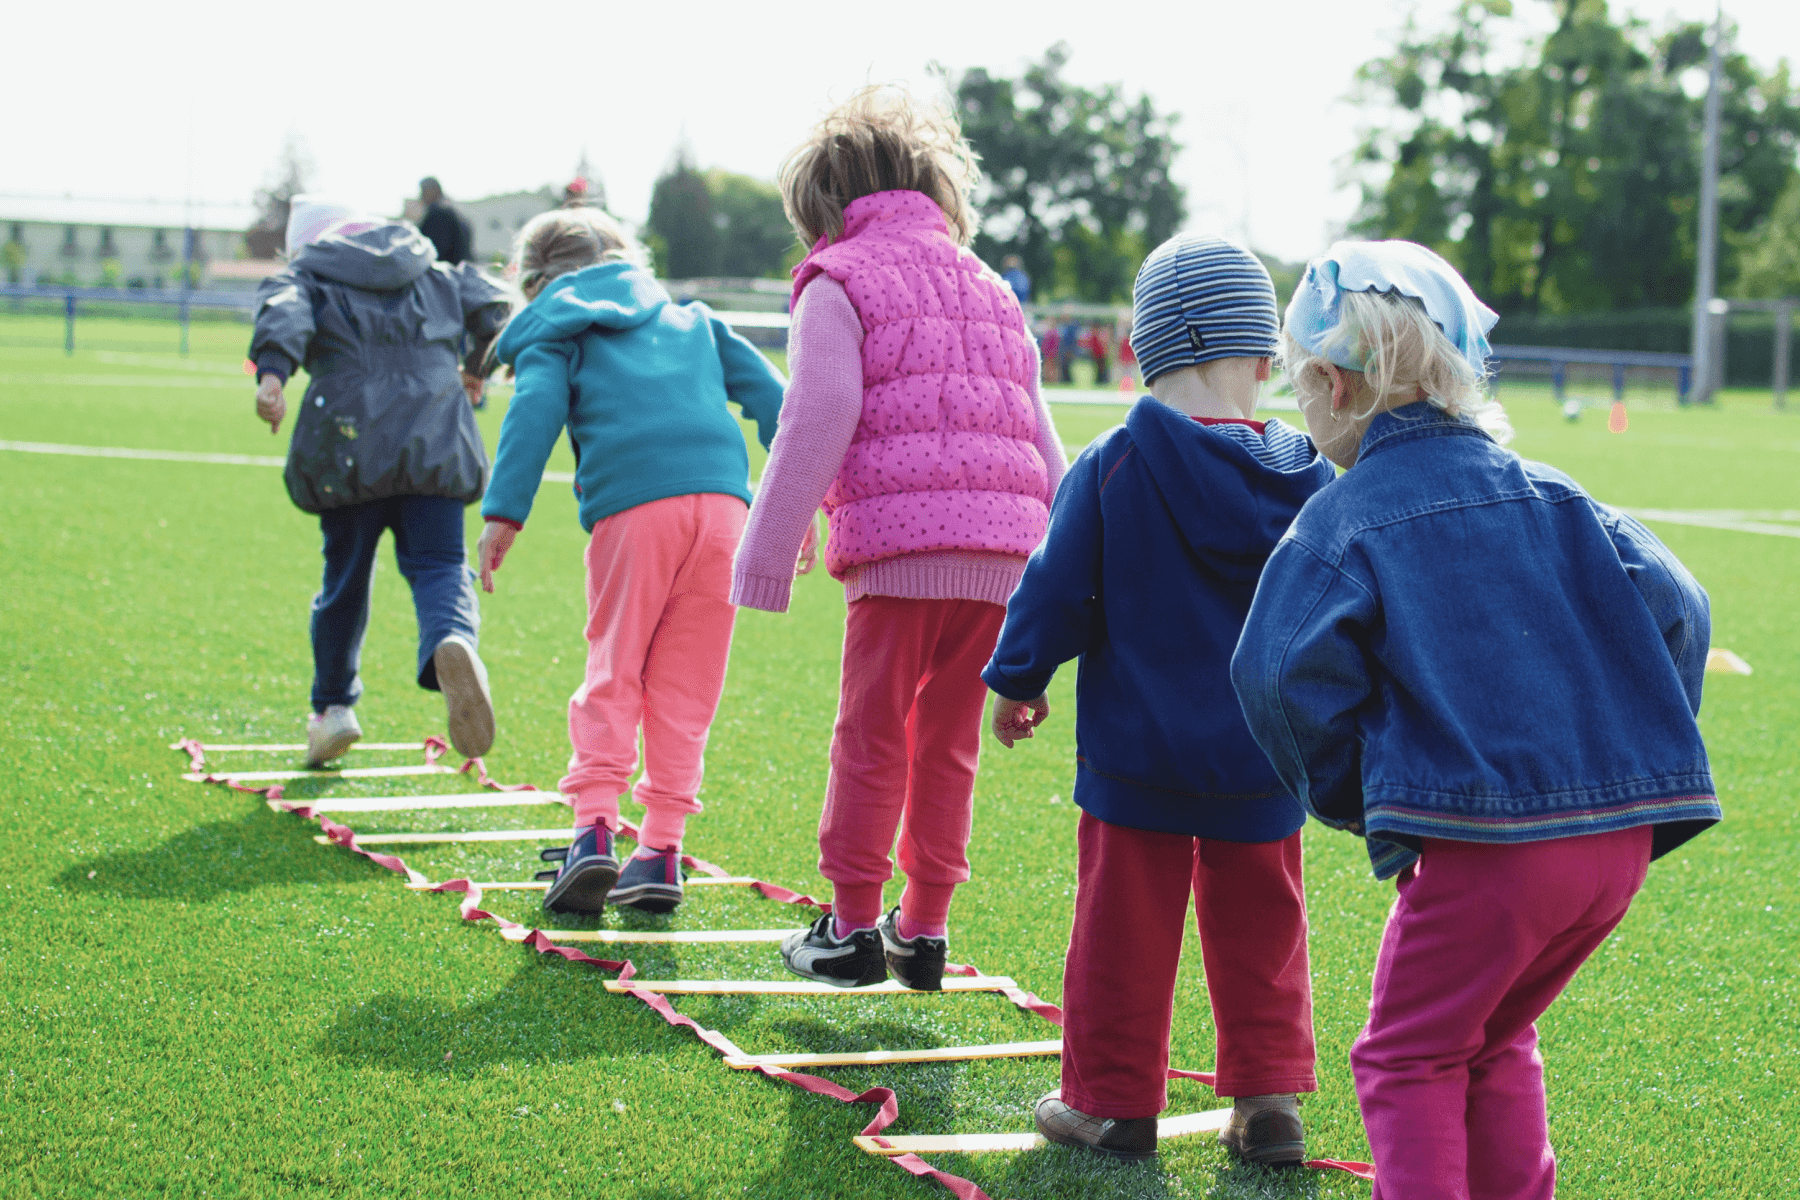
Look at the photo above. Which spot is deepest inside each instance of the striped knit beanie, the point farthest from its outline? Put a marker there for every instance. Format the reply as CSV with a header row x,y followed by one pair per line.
x,y
1198,298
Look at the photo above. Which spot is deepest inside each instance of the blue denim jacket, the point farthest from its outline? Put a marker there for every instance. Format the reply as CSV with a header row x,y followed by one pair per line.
x,y
1454,642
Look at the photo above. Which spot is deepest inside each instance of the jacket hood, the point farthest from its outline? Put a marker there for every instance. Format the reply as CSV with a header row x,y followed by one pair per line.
x,y
383,259
1230,506
612,295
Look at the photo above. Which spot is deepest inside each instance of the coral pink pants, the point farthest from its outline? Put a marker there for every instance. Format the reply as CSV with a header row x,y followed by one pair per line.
x,y
659,634
1481,939
904,752
1131,903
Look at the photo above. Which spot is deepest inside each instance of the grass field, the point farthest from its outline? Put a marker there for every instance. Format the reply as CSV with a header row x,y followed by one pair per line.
x,y
198,1000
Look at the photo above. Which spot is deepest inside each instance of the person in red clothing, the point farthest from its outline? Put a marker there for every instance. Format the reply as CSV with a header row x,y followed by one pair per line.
x,y
1156,541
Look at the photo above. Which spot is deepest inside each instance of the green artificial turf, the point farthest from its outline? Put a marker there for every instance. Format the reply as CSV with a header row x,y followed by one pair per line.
x,y
199,1000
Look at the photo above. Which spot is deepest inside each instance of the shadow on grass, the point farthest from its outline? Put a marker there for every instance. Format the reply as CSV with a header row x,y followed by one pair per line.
x,y
262,849
549,1009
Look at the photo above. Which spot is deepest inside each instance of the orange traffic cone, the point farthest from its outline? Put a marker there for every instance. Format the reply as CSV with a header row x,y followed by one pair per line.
x,y
1127,384
1618,422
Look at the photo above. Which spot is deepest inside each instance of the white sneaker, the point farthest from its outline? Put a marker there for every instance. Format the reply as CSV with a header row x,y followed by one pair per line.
x,y
470,709
330,733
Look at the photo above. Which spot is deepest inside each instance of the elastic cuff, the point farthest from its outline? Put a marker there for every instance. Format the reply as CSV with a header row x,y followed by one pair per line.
x,y
857,905
274,362
597,808
767,592
927,904
1000,683
517,526
662,828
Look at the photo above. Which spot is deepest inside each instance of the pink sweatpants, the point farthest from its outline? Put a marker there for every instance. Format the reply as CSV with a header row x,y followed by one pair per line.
x,y
659,634
904,752
1480,941
1131,904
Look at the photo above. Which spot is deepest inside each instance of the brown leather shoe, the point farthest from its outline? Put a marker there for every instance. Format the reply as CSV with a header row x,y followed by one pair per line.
x,y
1133,1138
1266,1130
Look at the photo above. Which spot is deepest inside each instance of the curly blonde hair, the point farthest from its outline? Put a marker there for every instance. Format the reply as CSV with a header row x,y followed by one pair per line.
x,y
1403,353
880,140
568,239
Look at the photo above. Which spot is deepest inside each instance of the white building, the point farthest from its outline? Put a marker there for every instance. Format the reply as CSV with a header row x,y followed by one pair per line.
x,y
497,219
53,241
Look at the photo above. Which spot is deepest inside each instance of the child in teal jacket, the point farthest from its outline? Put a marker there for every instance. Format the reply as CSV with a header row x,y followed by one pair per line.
x,y
662,477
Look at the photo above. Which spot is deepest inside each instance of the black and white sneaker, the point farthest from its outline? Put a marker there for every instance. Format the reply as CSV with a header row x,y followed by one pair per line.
x,y
854,961
589,870
918,963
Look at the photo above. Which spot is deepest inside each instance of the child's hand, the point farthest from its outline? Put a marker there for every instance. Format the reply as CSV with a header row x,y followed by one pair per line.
x,y
496,539
809,549
473,385
1015,719
271,405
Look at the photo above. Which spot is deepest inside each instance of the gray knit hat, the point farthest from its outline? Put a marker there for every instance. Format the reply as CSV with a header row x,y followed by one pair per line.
x,y
1197,298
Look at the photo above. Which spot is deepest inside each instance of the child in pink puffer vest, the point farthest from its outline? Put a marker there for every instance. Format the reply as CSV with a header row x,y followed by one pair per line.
x,y
913,416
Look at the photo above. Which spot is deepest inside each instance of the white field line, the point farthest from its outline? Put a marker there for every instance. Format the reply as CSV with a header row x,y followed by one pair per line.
x,y
187,456
1720,519
368,804
243,383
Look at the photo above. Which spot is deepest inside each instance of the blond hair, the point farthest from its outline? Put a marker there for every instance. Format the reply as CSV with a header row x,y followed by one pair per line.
x,y
880,140
1403,353
568,239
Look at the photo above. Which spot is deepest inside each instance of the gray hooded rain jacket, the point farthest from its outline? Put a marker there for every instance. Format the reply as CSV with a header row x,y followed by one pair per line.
x,y
377,320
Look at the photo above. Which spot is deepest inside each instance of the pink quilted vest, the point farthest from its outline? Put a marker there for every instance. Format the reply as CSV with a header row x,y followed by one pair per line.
x,y
943,458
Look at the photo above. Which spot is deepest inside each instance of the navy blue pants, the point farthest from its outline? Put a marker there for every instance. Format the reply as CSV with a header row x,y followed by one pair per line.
x,y
428,545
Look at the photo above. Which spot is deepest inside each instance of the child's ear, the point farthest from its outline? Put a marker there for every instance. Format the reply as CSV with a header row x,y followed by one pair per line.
x,y
1340,386
1264,368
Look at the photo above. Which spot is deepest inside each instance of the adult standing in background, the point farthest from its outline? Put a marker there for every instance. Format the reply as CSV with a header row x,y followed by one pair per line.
x,y
384,439
447,228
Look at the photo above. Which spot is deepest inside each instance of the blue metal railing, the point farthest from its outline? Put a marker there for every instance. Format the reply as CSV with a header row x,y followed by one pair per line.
x,y
1560,357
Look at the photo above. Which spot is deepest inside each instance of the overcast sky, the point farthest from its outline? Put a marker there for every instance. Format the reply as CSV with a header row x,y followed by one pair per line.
x,y
165,101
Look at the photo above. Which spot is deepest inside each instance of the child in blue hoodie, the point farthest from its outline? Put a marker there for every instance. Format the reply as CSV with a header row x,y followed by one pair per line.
x,y
662,476
1491,677
1157,537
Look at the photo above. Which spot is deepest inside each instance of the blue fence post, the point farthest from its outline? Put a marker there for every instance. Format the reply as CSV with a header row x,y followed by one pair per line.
x,y
1687,377
1618,383
1556,380
187,282
69,323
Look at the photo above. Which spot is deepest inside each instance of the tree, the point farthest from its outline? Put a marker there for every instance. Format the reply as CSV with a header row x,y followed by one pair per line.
x,y
1769,259
754,234
1568,180
1076,181
268,236
681,219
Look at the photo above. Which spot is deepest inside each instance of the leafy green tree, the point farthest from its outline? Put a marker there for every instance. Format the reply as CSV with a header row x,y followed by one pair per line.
x,y
1076,180
1769,259
1566,181
293,170
682,220
754,234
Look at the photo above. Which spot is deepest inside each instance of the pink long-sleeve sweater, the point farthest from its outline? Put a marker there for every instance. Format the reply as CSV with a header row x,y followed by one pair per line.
x,y
818,421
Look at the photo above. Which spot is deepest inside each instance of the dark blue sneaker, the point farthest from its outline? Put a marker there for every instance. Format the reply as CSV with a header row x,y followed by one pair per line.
x,y
589,870
651,885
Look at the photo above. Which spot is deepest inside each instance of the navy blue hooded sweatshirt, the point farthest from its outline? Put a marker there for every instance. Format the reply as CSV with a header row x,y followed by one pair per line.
x,y
1157,538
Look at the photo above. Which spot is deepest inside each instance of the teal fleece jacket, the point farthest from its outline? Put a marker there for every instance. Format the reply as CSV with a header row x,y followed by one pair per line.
x,y
640,383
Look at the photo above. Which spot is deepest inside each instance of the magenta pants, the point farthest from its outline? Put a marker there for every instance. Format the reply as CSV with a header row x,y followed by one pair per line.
x,y
904,752
1480,941
1131,906
659,635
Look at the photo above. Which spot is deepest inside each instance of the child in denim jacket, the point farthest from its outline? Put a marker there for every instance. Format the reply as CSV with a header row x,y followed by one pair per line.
x,y
1461,656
